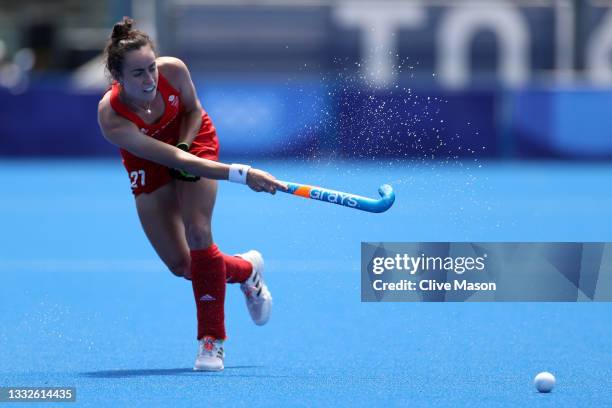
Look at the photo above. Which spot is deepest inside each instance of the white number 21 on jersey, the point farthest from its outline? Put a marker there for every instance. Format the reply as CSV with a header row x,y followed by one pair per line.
x,y
135,176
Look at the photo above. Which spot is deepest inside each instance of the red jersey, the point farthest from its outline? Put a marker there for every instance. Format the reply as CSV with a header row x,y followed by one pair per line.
x,y
147,176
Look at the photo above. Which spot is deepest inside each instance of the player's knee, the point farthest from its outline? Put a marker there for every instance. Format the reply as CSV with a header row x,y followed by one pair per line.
x,y
199,234
181,268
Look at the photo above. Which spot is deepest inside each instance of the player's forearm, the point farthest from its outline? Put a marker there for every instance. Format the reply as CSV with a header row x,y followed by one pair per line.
x,y
190,125
203,167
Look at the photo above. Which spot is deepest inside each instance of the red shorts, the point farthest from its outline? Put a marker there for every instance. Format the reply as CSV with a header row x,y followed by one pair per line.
x,y
147,176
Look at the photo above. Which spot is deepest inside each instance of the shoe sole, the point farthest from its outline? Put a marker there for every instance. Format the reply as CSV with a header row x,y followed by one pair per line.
x,y
260,268
208,369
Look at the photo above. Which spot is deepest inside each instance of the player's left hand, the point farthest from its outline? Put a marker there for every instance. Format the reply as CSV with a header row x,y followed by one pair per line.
x,y
181,174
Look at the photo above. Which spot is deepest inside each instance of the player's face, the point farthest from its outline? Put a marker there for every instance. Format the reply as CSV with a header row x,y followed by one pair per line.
x,y
139,76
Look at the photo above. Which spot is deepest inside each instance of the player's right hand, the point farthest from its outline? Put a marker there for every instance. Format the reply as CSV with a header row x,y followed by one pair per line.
x,y
259,180
182,175
179,174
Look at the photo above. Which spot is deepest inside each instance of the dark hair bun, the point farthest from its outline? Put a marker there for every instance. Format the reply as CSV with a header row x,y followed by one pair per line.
x,y
123,39
122,30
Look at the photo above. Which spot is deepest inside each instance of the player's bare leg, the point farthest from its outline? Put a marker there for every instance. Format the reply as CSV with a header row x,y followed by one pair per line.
x,y
162,223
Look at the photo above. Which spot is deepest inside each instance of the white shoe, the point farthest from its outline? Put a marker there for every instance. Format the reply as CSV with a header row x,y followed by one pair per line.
x,y
258,297
210,355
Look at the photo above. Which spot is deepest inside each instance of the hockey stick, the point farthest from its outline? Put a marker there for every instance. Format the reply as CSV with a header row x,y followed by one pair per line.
x,y
387,197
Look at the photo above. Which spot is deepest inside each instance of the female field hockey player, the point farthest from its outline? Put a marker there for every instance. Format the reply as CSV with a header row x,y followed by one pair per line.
x,y
170,150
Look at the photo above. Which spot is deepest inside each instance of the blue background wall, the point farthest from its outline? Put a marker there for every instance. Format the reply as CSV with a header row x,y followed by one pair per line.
x,y
305,118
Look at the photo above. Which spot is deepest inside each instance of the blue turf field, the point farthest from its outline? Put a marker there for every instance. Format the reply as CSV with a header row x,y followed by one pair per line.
x,y
84,302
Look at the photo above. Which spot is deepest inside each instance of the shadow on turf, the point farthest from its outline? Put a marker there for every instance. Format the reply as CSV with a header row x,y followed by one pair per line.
x,y
150,372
